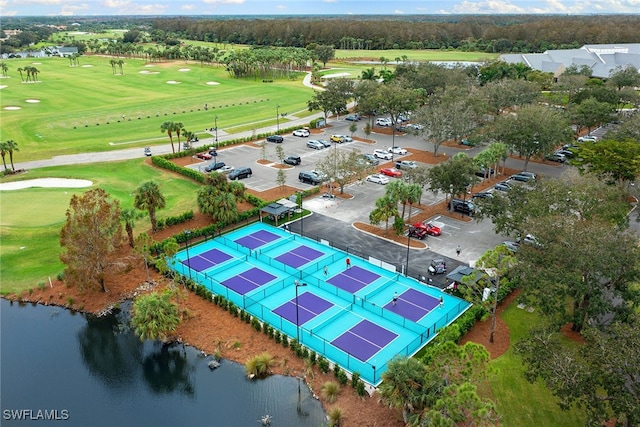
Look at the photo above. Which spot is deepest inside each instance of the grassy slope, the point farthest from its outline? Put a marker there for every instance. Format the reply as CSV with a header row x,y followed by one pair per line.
x,y
30,243
520,403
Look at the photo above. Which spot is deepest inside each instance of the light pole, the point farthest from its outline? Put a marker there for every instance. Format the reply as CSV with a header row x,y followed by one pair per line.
x,y
406,270
301,216
278,118
298,284
216,129
187,233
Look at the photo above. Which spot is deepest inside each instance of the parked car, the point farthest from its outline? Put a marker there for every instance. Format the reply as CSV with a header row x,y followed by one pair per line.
x,y
275,138
398,150
383,121
382,154
321,175
147,151
482,172
226,169
347,138
324,142
568,154
437,266
352,117
240,173
337,138
524,176
214,166
511,245
406,164
421,230
316,145
301,132
588,138
464,206
393,172
371,159
556,157
482,195
204,156
292,160
378,179
503,186
309,178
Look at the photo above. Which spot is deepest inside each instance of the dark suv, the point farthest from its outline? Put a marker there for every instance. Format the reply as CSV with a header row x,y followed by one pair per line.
x,y
292,160
309,178
463,206
275,138
240,173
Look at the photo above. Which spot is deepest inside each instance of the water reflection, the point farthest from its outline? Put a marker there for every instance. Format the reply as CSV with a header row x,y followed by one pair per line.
x,y
99,372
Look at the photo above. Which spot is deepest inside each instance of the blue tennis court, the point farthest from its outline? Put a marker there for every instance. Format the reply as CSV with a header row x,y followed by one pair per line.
x,y
345,314
299,256
364,340
206,260
248,280
309,306
257,239
353,279
413,304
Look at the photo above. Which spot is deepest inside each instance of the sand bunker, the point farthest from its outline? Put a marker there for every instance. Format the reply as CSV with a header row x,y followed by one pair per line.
x,y
3,86
46,183
173,82
184,69
87,66
148,72
12,107
32,101
213,83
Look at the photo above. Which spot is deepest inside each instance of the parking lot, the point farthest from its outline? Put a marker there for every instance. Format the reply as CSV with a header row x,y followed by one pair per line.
x,y
332,219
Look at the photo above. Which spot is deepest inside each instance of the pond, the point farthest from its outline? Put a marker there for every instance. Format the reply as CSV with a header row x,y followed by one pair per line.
x,y
65,368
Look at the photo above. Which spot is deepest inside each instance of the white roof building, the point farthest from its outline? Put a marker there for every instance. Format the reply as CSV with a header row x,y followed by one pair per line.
x,y
601,58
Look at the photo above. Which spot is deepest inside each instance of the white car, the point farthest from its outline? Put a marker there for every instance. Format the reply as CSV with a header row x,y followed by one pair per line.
x,y
347,138
588,138
397,150
301,132
382,121
226,169
382,154
378,179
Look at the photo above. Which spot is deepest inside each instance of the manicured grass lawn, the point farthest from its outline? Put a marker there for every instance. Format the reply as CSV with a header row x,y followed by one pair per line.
x,y
520,403
31,242
81,109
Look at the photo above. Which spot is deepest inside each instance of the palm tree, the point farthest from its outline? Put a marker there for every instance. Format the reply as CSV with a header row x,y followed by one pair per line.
x,y
120,63
4,68
178,127
369,74
113,66
129,216
3,152
167,127
149,198
11,147
403,386
20,70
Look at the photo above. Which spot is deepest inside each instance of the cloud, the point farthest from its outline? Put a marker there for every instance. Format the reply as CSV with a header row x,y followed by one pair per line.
x,y
398,12
281,7
39,3
70,10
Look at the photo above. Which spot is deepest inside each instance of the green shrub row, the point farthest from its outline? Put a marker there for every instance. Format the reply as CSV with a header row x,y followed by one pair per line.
x,y
173,220
162,162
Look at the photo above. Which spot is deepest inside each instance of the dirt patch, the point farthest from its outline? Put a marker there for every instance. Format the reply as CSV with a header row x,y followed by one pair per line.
x,y
480,332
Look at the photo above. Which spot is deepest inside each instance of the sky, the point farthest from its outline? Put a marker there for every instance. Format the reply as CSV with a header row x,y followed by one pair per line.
x,y
313,7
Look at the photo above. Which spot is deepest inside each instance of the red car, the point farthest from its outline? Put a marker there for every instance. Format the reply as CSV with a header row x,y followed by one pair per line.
x,y
204,156
420,230
391,172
